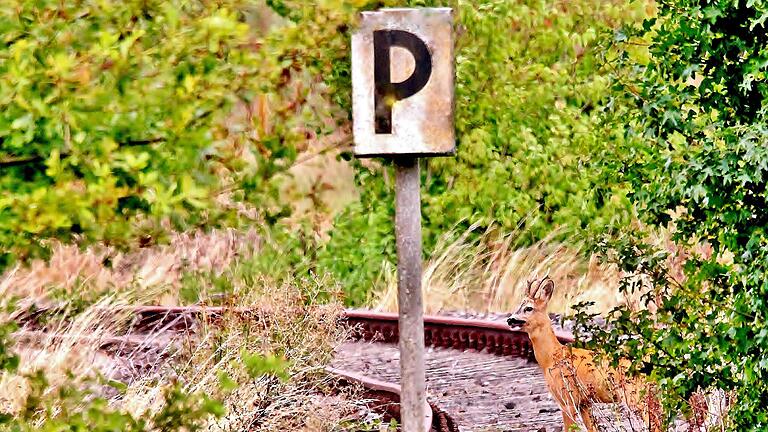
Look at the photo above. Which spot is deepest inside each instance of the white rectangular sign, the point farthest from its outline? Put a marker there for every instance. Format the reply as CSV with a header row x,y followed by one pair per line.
x,y
402,83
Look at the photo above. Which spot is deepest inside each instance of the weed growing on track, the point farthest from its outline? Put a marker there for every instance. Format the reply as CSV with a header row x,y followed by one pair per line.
x,y
262,373
294,338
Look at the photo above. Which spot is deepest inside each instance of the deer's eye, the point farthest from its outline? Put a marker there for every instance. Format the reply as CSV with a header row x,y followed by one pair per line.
x,y
528,309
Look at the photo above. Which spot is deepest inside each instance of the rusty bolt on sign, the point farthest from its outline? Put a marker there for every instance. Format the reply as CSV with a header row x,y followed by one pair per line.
x,y
402,104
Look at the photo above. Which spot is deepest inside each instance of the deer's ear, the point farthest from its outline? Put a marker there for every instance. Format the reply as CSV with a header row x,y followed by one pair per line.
x,y
545,290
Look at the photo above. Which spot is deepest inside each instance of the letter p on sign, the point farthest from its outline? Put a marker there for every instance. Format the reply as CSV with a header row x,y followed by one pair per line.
x,y
402,83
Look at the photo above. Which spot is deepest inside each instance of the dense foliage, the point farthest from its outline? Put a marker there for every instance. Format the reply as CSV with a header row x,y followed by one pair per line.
x,y
119,118
91,150
528,87
696,161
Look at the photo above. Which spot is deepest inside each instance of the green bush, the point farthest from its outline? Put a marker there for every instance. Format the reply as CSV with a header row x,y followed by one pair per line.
x,y
696,161
117,117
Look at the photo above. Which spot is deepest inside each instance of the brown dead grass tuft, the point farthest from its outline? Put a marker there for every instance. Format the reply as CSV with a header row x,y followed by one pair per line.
x,y
304,335
71,268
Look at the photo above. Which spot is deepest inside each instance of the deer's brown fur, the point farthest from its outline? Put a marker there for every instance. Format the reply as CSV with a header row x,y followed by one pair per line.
x,y
574,377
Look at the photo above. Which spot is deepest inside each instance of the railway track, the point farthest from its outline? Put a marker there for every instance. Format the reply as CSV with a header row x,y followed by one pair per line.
x,y
480,374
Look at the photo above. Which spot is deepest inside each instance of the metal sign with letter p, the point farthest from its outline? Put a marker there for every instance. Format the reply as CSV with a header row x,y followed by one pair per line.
x,y
402,83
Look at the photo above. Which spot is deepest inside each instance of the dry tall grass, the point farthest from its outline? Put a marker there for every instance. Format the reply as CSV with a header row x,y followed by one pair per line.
x,y
488,273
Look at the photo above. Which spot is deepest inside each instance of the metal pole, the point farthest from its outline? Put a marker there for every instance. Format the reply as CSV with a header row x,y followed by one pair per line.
x,y
410,305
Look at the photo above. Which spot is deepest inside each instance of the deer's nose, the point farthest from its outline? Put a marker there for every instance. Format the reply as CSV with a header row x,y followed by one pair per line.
x,y
513,321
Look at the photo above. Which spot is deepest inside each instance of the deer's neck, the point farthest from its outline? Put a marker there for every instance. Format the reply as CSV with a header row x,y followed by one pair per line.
x,y
545,345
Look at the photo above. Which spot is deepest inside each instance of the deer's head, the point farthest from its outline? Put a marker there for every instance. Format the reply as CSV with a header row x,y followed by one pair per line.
x,y
532,312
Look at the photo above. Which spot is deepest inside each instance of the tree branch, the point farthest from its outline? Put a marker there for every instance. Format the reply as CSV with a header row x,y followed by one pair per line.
x,y
13,161
18,161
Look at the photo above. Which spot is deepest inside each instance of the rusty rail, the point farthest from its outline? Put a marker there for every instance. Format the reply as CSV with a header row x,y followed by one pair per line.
x,y
443,332
385,397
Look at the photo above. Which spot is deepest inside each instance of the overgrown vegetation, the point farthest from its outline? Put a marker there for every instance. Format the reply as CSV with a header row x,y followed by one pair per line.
x,y
42,398
236,374
695,161
122,122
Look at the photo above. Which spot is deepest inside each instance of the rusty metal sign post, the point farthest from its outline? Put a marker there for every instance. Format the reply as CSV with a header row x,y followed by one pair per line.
x,y
402,85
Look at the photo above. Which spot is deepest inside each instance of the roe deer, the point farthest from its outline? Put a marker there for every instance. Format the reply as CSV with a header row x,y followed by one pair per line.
x,y
574,378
